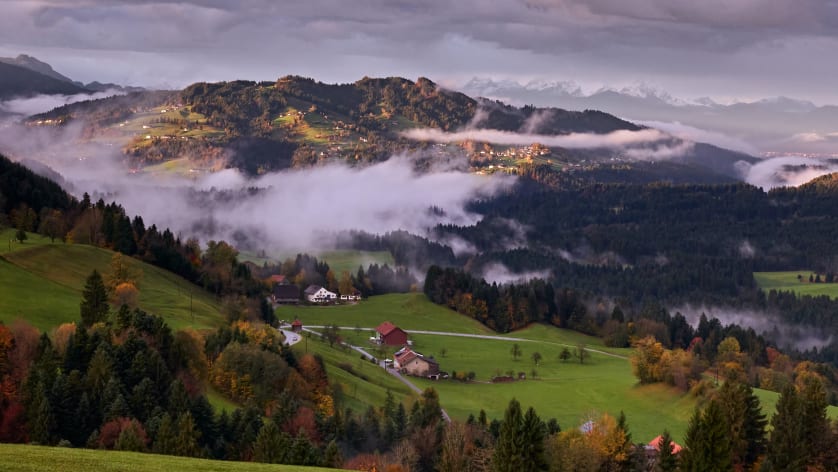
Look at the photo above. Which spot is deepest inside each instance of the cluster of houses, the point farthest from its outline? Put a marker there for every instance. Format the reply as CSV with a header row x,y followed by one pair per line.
x,y
285,293
405,360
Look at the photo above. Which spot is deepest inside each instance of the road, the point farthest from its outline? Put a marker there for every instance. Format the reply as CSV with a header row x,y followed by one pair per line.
x,y
487,336
390,371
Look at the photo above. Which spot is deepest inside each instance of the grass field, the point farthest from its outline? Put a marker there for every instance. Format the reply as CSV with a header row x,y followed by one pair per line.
x,y
366,385
42,283
22,458
339,261
408,311
787,281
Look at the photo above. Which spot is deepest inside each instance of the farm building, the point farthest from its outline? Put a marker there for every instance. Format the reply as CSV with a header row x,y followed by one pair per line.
x,y
389,334
350,297
284,294
278,279
318,294
413,363
297,326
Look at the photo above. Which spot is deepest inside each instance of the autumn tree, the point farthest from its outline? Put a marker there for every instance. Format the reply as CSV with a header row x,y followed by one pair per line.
x,y
345,286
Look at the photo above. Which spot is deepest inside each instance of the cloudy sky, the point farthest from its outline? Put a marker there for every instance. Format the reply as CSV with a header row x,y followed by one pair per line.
x,y
725,49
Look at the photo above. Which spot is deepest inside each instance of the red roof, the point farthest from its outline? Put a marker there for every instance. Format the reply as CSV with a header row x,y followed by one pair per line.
x,y
297,323
386,328
277,279
656,443
405,355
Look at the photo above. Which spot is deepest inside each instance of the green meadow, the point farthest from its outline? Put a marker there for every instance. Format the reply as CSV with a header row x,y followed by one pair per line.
x,y
787,281
23,458
42,283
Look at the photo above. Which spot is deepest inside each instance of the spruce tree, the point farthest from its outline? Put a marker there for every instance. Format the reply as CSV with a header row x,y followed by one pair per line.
x,y
507,457
186,441
332,457
707,443
667,460
165,441
94,304
270,447
532,440
787,448
753,426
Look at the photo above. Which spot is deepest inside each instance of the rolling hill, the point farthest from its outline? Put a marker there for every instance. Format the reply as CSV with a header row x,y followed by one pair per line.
x,y
299,122
17,81
42,282
23,458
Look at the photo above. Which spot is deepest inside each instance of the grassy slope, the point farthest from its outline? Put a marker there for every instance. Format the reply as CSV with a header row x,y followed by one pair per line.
x,y
21,458
408,311
338,261
358,393
787,281
43,282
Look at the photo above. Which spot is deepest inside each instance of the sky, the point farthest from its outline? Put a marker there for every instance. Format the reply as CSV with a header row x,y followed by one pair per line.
x,y
724,49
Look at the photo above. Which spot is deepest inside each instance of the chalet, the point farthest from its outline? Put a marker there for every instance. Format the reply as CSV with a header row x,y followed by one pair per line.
x,y
285,294
318,294
413,363
297,326
390,335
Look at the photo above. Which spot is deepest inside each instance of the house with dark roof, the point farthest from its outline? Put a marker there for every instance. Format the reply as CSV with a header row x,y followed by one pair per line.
x,y
285,294
410,362
318,294
390,335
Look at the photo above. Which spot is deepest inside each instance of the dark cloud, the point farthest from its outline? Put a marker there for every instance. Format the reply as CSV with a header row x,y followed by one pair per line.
x,y
669,39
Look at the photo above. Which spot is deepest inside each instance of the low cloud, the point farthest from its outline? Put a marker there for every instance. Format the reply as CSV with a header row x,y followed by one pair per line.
x,y
746,250
42,103
615,139
288,210
788,171
499,273
785,335
698,135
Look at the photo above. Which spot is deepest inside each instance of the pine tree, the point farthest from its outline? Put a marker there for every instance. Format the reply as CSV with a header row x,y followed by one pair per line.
x,y
707,443
507,457
787,447
186,441
94,305
42,421
302,452
332,457
532,434
667,461
165,441
270,446
753,426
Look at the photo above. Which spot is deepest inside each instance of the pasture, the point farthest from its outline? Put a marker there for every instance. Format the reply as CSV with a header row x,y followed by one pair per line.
x,y
42,283
787,281
23,458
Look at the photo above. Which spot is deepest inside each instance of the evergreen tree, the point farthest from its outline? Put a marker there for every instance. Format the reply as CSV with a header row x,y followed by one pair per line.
x,y
186,441
787,448
42,421
753,426
332,457
117,409
532,434
165,442
271,445
302,451
507,457
707,444
667,461
131,438
94,305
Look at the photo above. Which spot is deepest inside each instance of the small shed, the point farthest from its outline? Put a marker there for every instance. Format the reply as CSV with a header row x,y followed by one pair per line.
x,y
297,326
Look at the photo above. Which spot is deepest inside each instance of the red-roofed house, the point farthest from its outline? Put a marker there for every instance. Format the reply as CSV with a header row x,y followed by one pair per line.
x,y
656,445
389,334
278,279
297,326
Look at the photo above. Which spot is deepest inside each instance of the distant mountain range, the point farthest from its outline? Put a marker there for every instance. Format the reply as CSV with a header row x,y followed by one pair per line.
x,y
780,124
26,76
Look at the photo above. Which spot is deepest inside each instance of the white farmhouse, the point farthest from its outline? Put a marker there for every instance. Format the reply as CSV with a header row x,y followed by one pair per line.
x,y
318,294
